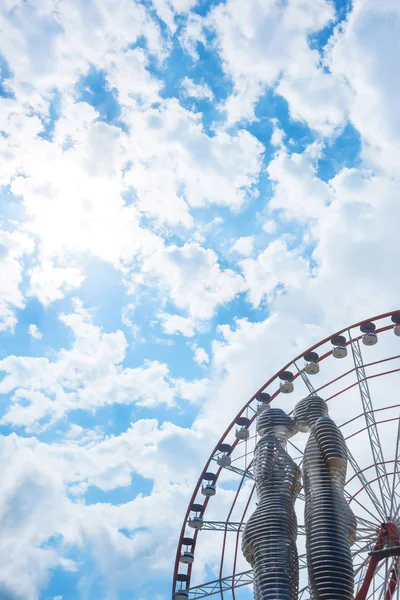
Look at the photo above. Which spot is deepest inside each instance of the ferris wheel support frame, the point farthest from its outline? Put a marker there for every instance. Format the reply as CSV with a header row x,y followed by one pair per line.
x,y
236,580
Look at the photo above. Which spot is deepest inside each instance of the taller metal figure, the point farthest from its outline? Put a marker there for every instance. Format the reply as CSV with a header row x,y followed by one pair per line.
x,y
329,522
269,538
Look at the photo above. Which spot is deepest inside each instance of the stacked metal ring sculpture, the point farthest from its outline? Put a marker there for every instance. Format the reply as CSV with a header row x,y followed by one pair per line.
x,y
330,525
269,538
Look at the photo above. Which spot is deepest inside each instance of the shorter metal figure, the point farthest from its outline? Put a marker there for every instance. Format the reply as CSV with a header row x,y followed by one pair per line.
x,y
269,537
329,522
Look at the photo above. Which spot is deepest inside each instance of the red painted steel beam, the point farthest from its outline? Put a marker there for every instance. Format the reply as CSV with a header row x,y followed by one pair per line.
x,y
393,532
373,563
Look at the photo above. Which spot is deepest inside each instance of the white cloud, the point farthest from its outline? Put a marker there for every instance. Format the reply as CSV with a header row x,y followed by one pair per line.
x,y
73,191
49,283
167,10
200,355
13,246
126,318
276,265
243,245
36,510
34,332
263,42
193,34
193,391
71,39
33,508
298,191
196,90
88,375
194,278
269,227
221,169
362,54
72,187
177,324
277,134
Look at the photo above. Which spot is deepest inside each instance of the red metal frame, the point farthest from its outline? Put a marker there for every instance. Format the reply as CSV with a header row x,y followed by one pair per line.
x,y
386,529
273,396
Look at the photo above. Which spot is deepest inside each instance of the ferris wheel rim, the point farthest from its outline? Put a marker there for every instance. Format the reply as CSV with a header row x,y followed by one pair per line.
x,y
300,373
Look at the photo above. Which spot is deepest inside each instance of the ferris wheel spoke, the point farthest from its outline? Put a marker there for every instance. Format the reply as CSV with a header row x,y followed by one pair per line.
x,y
296,448
351,499
305,378
394,506
362,543
221,585
376,590
359,573
243,473
383,590
372,429
366,486
365,525
367,533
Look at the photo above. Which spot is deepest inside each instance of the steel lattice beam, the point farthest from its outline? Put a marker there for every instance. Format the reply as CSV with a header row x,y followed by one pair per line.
x,y
230,582
372,428
221,585
222,526
243,473
232,526
306,380
225,584
250,475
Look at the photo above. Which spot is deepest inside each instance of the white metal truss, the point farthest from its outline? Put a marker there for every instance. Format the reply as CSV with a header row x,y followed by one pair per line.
x,y
233,526
372,428
222,526
244,473
226,584
219,586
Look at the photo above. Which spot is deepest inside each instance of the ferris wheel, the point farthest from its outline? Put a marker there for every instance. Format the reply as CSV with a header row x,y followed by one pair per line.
x,y
357,371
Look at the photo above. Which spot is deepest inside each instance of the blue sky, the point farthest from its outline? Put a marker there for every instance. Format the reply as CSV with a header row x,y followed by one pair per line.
x,y
189,191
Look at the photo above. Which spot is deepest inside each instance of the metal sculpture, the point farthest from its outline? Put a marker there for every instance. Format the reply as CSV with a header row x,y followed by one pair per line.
x,y
330,525
269,537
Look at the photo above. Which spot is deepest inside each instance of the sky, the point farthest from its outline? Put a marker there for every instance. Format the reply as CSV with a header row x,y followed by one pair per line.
x,y
191,193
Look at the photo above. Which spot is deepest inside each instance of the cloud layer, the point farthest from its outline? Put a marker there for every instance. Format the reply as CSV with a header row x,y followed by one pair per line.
x,y
190,195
